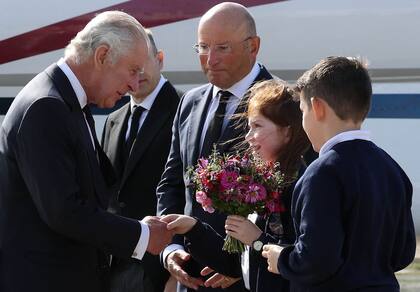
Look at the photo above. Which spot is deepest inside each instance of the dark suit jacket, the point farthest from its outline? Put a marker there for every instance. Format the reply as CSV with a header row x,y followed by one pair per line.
x,y
173,196
354,228
138,179
53,221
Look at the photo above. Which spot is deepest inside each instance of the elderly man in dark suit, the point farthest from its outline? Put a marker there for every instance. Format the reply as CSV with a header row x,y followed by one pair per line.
x,y
55,180
227,47
137,138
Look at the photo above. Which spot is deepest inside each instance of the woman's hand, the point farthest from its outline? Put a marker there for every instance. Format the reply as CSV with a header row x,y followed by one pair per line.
x,y
242,229
179,224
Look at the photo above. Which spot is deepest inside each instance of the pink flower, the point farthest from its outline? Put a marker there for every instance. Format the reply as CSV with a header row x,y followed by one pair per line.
x,y
202,162
200,196
208,205
228,180
255,193
205,201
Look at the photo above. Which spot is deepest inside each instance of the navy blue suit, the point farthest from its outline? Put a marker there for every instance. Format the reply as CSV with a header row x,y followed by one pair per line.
x,y
173,196
54,227
354,228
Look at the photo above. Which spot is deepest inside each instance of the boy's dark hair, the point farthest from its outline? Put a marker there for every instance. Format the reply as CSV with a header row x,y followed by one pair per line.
x,y
343,82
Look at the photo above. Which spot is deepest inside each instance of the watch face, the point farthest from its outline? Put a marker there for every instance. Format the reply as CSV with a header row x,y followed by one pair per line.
x,y
257,245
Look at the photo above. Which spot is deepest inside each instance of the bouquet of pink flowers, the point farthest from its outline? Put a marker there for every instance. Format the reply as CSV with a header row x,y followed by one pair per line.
x,y
237,185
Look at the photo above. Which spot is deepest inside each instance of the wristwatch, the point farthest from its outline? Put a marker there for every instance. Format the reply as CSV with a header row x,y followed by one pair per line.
x,y
257,245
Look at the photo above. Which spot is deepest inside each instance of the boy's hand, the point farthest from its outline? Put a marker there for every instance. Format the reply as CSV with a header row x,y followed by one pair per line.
x,y
272,252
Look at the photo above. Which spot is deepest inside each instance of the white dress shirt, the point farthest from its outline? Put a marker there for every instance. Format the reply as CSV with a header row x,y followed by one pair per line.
x,y
146,104
141,246
342,137
238,91
245,256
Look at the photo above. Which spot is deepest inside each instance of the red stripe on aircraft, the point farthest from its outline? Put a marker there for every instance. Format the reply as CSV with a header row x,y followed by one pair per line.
x,y
149,13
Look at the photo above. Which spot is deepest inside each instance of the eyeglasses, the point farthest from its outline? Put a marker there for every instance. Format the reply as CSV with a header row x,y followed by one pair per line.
x,y
204,49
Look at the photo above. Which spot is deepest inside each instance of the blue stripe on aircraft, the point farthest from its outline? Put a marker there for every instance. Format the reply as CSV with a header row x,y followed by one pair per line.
x,y
397,106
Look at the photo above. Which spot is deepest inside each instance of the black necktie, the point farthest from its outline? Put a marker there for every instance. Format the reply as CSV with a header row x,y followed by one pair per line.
x,y
91,123
135,120
215,127
104,163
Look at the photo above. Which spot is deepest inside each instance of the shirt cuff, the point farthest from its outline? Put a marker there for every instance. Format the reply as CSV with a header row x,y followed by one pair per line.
x,y
169,249
143,242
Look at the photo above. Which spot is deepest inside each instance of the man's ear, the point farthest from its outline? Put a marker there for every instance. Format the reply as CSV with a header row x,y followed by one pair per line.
x,y
319,108
254,45
160,57
101,53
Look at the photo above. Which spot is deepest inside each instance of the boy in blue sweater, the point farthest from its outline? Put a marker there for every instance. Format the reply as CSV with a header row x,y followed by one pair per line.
x,y
351,208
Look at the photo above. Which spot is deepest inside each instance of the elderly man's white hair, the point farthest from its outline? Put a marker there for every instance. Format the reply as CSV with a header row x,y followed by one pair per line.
x,y
115,29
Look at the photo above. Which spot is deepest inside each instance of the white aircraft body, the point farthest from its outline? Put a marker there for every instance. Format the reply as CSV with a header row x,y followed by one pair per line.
x,y
295,35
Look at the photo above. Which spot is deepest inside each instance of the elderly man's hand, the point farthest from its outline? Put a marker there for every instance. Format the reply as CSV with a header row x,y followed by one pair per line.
x,y
159,236
272,252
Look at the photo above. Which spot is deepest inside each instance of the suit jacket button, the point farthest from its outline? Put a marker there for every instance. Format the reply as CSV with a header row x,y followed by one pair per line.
x,y
122,205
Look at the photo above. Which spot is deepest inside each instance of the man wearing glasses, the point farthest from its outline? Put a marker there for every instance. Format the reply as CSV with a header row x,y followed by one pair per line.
x,y
227,47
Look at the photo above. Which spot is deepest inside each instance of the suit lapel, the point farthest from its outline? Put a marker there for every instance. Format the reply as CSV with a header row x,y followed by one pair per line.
x,y
67,93
117,137
156,118
198,117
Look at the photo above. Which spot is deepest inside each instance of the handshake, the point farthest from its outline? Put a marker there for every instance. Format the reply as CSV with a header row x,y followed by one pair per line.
x,y
163,228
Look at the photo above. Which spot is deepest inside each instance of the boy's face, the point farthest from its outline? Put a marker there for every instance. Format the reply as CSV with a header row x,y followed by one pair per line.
x,y
309,122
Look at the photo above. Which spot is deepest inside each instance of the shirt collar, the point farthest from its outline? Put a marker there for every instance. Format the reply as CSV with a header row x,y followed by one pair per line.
x,y
241,87
74,82
342,137
150,99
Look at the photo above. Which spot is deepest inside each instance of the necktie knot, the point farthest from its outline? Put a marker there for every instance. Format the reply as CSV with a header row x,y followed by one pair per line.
x,y
224,95
137,111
